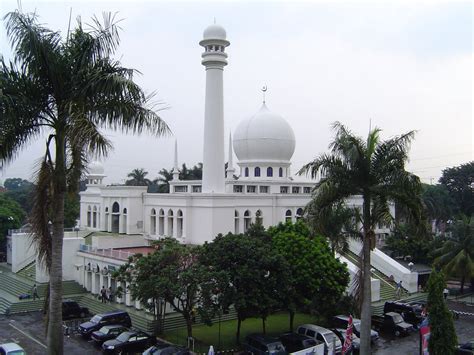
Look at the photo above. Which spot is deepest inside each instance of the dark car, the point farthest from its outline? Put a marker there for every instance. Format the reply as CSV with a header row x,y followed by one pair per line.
x,y
294,342
466,348
262,344
100,320
107,332
342,321
72,309
166,349
341,334
411,313
393,323
128,342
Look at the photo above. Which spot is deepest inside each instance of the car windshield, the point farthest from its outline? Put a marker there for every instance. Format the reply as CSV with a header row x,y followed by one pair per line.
x,y
397,318
95,319
275,347
104,330
124,336
16,352
330,338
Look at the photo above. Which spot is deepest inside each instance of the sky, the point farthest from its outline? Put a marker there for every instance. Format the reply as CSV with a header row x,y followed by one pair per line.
x,y
396,65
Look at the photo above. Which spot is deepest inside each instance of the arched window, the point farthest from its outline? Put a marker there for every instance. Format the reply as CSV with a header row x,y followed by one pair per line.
x,y
94,217
258,217
246,172
269,171
257,171
180,224
89,216
170,223
247,220
115,217
153,222
280,172
299,213
236,222
288,216
161,222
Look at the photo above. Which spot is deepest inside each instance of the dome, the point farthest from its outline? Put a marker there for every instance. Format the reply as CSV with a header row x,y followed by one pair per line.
x,y
95,168
214,32
264,137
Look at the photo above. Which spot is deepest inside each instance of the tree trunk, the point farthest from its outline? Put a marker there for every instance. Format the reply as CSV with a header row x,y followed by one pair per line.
x,y
55,331
239,323
263,326
366,291
292,319
189,326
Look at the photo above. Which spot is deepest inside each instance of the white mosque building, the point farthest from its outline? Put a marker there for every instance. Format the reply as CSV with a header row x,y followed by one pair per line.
x,y
119,220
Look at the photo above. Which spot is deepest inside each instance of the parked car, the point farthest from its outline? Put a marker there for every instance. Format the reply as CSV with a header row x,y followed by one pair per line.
x,y
342,321
341,334
100,320
410,312
166,349
322,334
392,323
11,349
294,342
107,332
259,344
466,348
131,341
72,309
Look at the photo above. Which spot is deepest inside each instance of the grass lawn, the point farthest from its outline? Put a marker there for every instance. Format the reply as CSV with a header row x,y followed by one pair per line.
x,y
205,336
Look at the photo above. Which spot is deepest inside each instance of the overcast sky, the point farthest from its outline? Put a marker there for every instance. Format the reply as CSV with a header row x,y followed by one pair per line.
x,y
401,65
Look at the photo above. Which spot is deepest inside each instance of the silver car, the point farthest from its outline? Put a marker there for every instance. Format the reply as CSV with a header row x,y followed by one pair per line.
x,y
332,343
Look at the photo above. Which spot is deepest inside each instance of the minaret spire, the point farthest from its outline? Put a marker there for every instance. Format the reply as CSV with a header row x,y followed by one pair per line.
x,y
230,164
175,167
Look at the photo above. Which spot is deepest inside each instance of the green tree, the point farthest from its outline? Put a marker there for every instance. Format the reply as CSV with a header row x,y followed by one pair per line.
x,y
138,178
456,256
459,181
162,183
13,184
443,338
11,215
254,282
172,273
317,280
21,191
374,170
439,205
70,89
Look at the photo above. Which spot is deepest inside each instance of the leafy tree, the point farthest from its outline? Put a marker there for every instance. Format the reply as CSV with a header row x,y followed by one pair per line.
x,y
172,273
14,184
138,178
317,280
439,205
21,191
11,215
71,210
459,181
255,275
70,89
456,256
374,170
443,338
162,183
334,222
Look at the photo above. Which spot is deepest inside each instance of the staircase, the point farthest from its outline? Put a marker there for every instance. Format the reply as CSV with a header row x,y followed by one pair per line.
x,y
28,272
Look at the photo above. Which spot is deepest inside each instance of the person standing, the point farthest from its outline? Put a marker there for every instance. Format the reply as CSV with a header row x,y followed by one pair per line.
x,y
445,293
103,294
35,292
399,289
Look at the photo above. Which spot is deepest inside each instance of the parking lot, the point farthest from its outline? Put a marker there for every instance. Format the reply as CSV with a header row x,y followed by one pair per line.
x,y
28,331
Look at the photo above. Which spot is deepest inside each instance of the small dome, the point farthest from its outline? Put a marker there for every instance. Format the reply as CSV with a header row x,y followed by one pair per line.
x,y
264,137
95,168
214,32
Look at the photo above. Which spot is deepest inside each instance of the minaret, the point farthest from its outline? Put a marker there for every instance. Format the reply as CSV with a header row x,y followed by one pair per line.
x,y
214,59
230,164
175,168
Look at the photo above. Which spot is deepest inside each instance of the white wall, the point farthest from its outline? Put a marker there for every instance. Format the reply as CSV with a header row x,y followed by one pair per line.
x,y
121,241
353,269
389,266
22,251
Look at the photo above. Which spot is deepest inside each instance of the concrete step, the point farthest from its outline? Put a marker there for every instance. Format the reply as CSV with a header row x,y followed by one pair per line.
x,y
28,272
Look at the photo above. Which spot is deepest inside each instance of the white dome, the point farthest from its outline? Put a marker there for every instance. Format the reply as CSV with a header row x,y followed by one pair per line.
x,y
264,137
214,32
95,168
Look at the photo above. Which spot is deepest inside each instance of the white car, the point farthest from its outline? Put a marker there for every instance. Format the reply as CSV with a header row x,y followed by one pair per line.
x,y
11,349
332,343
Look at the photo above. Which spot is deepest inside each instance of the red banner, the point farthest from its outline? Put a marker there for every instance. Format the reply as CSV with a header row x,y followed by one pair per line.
x,y
348,341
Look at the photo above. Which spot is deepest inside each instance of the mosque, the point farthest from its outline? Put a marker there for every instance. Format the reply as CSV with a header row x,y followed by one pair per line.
x,y
118,221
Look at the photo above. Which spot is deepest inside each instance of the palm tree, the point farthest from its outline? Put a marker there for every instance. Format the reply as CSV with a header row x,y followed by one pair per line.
x,y
163,181
69,90
374,170
138,178
456,256
336,223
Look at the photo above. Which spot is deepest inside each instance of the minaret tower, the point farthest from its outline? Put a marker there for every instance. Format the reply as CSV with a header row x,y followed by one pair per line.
x,y
214,59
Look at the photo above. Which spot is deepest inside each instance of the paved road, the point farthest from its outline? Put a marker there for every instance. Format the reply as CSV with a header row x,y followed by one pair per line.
x,y
28,331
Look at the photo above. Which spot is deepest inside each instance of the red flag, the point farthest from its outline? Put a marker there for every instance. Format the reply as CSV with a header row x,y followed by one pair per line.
x,y
348,341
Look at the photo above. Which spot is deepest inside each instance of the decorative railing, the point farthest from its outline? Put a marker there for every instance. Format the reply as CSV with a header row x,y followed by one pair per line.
x,y
109,252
